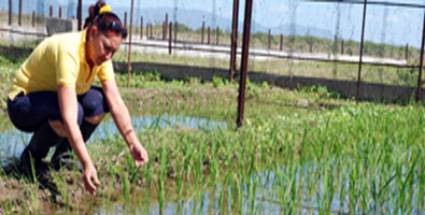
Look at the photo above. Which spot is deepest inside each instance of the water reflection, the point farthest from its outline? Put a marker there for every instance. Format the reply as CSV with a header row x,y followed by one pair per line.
x,y
262,193
12,142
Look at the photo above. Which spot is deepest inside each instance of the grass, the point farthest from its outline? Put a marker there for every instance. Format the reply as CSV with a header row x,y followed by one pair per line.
x,y
327,70
305,43
365,155
298,151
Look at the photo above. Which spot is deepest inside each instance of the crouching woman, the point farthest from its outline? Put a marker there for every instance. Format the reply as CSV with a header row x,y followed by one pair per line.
x,y
54,98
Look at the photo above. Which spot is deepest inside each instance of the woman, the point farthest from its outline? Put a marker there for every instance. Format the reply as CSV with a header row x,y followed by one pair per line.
x,y
52,95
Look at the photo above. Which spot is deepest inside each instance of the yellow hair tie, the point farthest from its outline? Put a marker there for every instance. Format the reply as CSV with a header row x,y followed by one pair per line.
x,y
105,9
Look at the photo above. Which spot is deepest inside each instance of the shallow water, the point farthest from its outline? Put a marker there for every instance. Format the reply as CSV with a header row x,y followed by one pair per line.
x,y
12,142
269,184
267,200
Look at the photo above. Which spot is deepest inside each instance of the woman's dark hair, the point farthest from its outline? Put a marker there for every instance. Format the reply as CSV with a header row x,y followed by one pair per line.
x,y
106,21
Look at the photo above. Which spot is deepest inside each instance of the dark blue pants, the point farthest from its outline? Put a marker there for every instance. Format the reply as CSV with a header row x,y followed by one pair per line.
x,y
29,112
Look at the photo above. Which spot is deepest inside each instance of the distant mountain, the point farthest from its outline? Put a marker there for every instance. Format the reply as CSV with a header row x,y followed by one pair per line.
x,y
194,18
190,18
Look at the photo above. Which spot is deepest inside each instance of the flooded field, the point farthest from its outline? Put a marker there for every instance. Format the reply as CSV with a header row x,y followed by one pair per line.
x,y
298,153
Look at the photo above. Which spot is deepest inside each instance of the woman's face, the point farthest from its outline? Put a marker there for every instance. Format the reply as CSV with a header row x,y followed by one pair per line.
x,y
102,46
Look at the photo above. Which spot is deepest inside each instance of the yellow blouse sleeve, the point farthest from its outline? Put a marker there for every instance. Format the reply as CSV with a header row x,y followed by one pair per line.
x,y
106,71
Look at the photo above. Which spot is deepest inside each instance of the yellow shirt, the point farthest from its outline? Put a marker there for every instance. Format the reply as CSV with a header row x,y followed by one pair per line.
x,y
59,60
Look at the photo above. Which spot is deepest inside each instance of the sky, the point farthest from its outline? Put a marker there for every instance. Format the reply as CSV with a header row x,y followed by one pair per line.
x,y
392,25
384,24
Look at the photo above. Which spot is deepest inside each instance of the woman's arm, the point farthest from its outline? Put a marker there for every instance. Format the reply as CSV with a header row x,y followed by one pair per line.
x,y
69,110
122,119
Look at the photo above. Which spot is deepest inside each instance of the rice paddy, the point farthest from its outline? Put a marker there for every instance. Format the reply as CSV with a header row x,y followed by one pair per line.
x,y
299,152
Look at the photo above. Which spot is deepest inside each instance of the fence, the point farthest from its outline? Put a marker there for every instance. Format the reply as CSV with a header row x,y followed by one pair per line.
x,y
316,39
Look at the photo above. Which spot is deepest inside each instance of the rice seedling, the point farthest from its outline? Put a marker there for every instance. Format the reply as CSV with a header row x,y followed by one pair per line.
x,y
363,158
161,180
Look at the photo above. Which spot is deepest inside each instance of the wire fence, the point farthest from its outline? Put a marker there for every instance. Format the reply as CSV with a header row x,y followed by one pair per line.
x,y
317,39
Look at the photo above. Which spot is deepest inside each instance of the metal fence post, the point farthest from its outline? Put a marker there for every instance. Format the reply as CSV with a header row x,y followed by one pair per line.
x,y
217,35
141,27
269,40
163,31
148,31
129,42
244,62
80,14
406,54
170,39
281,42
165,27
209,35
421,64
10,12
20,13
359,74
234,39
202,32
310,43
51,11
125,19
60,12
33,19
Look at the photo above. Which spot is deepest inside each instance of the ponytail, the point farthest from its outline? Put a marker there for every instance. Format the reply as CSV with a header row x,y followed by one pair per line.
x,y
101,15
94,11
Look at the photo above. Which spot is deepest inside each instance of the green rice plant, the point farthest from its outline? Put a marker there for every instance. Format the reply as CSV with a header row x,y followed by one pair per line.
x,y
214,164
353,189
126,185
241,192
252,184
133,171
236,193
325,201
420,183
148,175
407,186
162,179
285,190
34,204
363,155
225,194
203,203
221,191
342,192
64,192
198,163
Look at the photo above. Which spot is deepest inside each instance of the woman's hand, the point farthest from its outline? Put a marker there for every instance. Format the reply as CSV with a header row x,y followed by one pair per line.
x,y
122,119
140,155
69,110
91,182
